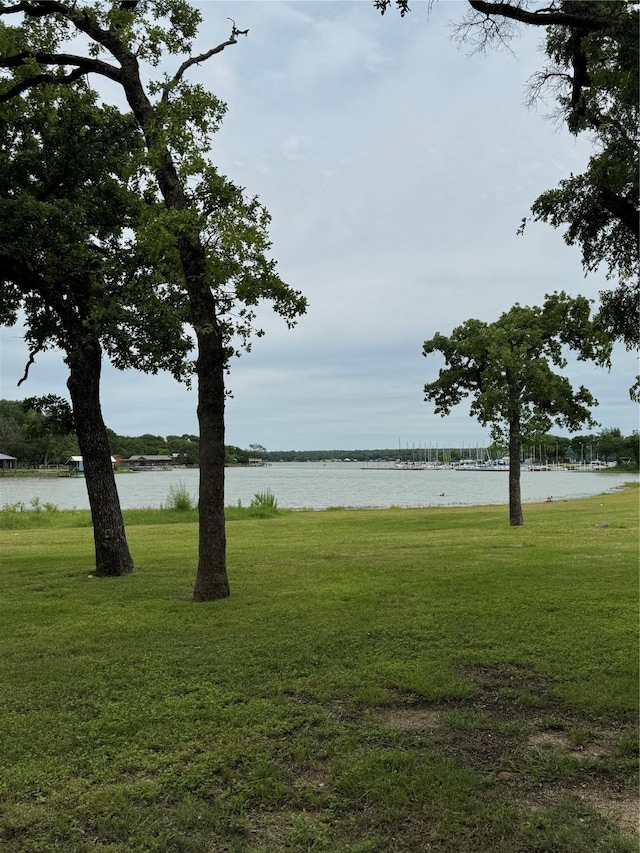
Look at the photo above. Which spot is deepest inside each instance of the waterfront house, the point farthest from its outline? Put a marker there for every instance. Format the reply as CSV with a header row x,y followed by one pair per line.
x,y
76,465
149,463
7,463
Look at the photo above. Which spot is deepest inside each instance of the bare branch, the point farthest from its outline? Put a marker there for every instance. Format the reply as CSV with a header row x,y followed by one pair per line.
x,y
196,60
235,31
32,357
552,80
488,23
480,32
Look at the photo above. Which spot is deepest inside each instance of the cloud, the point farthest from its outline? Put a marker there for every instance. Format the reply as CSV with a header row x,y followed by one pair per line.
x,y
397,171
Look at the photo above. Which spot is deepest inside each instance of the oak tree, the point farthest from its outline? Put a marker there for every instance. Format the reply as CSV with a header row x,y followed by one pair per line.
x,y
70,272
506,367
224,270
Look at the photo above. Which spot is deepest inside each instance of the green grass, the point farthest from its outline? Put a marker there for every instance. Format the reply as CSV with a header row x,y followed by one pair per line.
x,y
378,682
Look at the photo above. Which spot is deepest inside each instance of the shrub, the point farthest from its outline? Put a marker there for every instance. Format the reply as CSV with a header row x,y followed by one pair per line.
x,y
179,498
17,516
8,509
264,500
264,504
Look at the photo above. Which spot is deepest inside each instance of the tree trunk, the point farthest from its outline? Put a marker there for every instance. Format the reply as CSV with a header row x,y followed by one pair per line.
x,y
112,552
211,579
515,499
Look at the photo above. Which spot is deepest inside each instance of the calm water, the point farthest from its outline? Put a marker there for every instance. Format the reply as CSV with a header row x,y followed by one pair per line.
x,y
317,486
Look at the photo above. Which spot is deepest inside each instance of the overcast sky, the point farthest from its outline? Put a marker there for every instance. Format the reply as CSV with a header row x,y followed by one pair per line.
x,y
397,169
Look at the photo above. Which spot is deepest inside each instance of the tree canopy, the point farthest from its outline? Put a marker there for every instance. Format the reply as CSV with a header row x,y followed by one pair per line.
x,y
69,268
37,431
69,213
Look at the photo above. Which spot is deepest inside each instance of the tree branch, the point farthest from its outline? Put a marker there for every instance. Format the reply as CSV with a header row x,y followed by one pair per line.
x,y
36,80
32,357
25,7
623,209
83,65
83,22
548,16
196,60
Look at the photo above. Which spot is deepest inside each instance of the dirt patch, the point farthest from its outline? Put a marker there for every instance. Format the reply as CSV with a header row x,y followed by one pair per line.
x,y
409,719
620,809
134,776
561,742
494,730
513,728
549,740
485,750
316,779
514,691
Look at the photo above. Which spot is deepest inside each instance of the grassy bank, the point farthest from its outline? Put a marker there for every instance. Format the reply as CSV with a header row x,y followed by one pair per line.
x,y
379,681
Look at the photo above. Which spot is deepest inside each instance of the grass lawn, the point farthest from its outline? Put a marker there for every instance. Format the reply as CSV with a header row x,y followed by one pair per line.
x,y
379,682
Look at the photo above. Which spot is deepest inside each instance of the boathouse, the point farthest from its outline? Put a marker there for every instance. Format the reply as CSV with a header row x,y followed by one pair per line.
x,y
148,463
7,463
75,464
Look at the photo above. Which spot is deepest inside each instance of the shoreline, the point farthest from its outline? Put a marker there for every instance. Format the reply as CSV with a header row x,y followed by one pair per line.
x,y
43,509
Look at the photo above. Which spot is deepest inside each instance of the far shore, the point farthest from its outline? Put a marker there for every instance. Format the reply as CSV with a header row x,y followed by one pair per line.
x,y
63,471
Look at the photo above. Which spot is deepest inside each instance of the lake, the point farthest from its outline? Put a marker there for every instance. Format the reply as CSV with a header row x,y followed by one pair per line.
x,y
318,485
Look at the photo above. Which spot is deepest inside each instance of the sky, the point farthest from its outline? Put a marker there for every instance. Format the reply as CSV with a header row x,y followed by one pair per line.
x,y
397,168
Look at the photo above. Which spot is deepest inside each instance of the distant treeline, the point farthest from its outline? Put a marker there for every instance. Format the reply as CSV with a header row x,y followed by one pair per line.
x,y
37,438
184,448
608,445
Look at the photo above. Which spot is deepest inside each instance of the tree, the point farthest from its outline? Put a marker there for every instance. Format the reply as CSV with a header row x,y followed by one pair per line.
x,y
610,444
65,263
186,448
582,447
223,267
506,367
11,419
632,448
591,48
37,431
236,455
54,422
